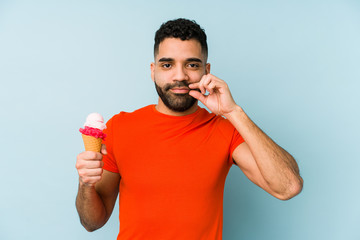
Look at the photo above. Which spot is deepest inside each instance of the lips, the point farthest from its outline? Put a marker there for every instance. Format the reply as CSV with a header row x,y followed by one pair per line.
x,y
180,90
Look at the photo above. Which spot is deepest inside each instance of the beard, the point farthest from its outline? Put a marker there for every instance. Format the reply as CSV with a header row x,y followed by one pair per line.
x,y
175,101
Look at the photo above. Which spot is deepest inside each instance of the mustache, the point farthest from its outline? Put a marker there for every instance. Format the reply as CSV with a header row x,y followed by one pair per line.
x,y
169,86
178,84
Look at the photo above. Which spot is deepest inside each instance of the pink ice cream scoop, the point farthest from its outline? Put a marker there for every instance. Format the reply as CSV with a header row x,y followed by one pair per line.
x,y
93,126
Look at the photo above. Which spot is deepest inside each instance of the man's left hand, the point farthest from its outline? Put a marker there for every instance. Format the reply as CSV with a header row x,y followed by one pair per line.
x,y
219,99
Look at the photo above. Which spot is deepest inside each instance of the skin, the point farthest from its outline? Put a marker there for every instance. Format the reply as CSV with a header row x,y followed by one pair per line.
x,y
263,161
177,61
98,190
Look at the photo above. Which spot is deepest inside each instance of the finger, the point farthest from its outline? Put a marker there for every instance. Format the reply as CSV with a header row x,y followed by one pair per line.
x,y
103,149
201,84
194,85
211,87
93,164
198,96
90,155
88,164
88,160
91,172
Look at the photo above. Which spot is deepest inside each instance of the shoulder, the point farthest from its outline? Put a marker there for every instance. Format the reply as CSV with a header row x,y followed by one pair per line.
x,y
124,121
127,122
218,119
216,123
222,125
126,116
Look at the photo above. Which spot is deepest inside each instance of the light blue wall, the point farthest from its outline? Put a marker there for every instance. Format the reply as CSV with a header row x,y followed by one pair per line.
x,y
292,65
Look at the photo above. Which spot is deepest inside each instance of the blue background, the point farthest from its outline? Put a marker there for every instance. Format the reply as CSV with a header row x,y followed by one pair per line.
x,y
292,65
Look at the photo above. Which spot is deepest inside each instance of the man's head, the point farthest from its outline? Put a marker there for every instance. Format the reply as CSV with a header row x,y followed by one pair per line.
x,y
183,29
180,53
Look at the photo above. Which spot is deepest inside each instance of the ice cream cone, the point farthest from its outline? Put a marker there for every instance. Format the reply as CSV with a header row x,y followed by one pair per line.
x,y
92,143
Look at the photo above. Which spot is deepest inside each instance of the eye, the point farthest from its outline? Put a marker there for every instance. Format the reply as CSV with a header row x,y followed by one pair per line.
x,y
193,65
166,65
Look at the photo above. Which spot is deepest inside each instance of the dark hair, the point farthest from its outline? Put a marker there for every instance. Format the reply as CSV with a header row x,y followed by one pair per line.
x,y
181,28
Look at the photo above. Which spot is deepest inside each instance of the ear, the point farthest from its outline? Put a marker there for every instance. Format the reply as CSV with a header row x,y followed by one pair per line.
x,y
152,68
207,68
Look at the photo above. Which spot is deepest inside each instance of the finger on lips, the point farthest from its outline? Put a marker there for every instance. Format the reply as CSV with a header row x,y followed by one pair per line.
x,y
207,83
193,85
197,95
202,88
211,88
196,86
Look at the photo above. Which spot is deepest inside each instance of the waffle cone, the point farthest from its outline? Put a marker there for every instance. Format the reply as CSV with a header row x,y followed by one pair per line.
x,y
92,143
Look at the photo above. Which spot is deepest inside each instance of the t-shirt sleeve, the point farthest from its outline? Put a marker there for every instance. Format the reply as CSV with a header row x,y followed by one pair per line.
x,y
109,159
236,140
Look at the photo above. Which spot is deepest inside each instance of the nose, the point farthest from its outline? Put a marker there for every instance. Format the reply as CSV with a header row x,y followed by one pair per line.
x,y
180,74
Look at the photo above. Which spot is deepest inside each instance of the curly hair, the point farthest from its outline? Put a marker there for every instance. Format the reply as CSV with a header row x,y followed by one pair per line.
x,y
181,28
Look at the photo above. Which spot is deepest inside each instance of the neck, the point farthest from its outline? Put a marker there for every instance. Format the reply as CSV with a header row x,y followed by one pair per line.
x,y
162,108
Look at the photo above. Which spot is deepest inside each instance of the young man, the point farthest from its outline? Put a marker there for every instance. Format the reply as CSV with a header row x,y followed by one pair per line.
x,y
169,161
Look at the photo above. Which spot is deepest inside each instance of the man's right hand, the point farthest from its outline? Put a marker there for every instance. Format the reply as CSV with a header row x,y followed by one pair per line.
x,y
89,166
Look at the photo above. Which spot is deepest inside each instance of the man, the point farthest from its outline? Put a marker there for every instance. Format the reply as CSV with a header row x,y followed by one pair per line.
x,y
169,161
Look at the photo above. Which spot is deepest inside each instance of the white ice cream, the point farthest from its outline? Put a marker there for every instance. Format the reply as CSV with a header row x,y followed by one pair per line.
x,y
95,120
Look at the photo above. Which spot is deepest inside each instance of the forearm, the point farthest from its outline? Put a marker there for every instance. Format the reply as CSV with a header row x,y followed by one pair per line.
x,y
90,208
278,168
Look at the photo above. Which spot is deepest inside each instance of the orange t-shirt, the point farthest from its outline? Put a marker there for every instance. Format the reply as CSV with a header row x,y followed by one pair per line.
x,y
173,172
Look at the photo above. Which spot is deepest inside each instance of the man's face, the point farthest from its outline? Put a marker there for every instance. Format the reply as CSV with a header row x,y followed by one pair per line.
x,y
177,64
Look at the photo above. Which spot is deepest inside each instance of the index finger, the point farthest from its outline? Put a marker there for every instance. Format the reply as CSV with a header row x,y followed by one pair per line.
x,y
194,85
90,155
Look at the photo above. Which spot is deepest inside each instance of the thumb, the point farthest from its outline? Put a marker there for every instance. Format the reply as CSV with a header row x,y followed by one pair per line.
x,y
103,149
197,95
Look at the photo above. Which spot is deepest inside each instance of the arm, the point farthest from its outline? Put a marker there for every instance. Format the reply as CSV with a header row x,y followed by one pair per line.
x,y
261,159
98,190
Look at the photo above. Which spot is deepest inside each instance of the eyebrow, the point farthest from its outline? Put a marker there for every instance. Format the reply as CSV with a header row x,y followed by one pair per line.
x,y
194,60
164,59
